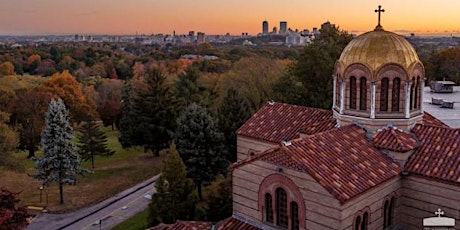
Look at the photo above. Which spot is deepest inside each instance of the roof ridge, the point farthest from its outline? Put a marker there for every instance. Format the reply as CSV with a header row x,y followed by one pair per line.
x,y
254,157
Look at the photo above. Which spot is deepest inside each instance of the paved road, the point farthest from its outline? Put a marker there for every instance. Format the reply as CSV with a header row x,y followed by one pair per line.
x,y
111,211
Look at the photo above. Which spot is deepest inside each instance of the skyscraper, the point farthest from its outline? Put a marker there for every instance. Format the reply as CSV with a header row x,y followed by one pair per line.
x,y
283,27
264,27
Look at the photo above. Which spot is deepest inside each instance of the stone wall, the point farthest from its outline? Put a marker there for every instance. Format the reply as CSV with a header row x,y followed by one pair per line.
x,y
247,145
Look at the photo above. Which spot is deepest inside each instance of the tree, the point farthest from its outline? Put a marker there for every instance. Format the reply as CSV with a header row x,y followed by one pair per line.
x,y
27,111
174,198
109,101
60,162
233,112
219,199
155,110
186,87
201,145
128,119
11,216
309,80
6,68
66,87
93,142
8,137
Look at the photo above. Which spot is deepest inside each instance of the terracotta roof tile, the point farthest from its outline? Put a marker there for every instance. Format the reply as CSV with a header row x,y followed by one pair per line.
x,y
232,223
395,140
184,225
438,156
276,122
341,160
429,119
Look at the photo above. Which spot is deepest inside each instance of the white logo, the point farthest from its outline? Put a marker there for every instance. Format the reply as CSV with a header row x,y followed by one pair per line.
x,y
438,222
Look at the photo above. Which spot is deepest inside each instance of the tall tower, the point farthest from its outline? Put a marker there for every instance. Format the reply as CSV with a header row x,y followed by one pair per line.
x,y
264,27
283,27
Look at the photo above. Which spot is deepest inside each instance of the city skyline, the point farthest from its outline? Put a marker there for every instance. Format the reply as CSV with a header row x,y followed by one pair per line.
x,y
23,17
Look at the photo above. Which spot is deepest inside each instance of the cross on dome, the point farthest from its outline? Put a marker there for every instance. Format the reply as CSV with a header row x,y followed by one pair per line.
x,y
379,11
439,212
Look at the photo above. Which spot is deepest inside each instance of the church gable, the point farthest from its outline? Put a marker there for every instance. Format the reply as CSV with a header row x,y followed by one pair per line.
x,y
277,122
341,160
438,157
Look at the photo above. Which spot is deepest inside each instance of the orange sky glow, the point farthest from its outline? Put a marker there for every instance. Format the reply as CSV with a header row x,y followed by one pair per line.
x,y
28,17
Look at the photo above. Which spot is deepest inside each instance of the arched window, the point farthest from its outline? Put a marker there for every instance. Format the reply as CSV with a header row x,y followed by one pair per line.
x,y
268,208
411,104
281,208
390,212
384,94
416,91
357,222
395,94
362,94
365,221
295,216
352,92
385,214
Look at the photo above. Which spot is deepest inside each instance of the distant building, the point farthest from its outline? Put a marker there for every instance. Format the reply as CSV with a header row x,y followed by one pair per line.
x,y
275,30
283,27
200,37
264,27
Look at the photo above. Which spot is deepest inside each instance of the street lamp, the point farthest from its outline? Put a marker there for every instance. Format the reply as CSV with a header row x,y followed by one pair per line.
x,y
41,190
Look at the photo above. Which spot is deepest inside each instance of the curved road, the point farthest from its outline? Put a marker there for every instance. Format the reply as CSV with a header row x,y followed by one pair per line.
x,y
104,215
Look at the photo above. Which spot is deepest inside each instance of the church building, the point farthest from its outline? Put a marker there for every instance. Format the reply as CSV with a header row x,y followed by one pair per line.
x,y
374,161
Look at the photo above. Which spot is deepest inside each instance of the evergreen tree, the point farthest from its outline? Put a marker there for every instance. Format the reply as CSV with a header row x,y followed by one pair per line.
x,y
201,145
309,81
155,110
92,142
186,88
174,198
233,112
60,162
219,199
128,121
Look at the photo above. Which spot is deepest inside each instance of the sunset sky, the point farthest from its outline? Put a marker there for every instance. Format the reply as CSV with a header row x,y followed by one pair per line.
x,y
26,17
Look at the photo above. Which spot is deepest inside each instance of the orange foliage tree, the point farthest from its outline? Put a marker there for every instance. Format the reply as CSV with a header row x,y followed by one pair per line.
x,y
6,68
65,86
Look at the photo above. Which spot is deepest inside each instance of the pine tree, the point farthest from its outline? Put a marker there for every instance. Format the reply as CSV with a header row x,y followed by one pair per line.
x,y
60,162
174,198
92,142
201,145
186,87
233,112
128,120
155,110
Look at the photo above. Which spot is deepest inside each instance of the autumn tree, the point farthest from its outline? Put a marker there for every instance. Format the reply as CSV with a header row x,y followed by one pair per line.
x,y
27,112
8,137
201,145
92,141
219,199
109,101
233,112
65,86
174,198
6,68
60,162
309,80
12,217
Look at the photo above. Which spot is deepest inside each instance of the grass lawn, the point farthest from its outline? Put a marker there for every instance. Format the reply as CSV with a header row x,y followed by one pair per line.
x,y
137,222
113,174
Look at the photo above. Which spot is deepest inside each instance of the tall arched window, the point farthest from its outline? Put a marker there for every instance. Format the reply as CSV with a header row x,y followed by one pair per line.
x,y
357,222
385,214
268,208
295,216
384,94
395,94
363,94
411,104
365,221
416,91
281,208
391,211
352,92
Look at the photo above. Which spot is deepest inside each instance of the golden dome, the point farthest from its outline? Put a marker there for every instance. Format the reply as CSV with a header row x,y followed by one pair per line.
x,y
378,48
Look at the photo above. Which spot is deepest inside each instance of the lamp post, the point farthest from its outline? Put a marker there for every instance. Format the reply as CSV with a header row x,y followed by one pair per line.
x,y
41,190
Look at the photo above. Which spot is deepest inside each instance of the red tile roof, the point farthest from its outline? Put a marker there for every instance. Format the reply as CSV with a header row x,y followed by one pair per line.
x,y
341,160
438,156
429,119
395,140
276,122
184,225
230,223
